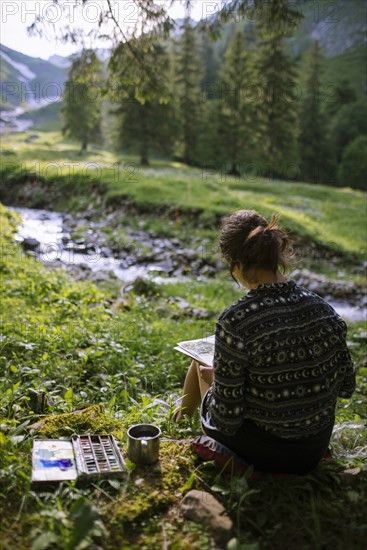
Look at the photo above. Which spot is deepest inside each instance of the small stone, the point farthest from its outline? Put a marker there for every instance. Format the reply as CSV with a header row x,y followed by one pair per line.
x,y
201,507
29,243
350,476
200,313
181,303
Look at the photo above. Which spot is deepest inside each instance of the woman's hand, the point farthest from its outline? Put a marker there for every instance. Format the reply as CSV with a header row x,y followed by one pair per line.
x,y
206,374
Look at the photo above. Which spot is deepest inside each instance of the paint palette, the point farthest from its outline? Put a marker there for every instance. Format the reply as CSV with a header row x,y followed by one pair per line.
x,y
83,455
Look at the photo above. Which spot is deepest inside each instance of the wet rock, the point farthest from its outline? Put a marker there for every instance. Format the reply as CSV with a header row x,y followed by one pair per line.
x,y
92,248
178,272
148,258
29,243
31,138
200,313
102,276
201,507
105,252
162,268
187,254
79,272
321,285
181,303
183,307
208,270
79,247
65,238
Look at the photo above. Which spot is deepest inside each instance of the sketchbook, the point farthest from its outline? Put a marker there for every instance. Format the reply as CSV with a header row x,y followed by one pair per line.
x,y
202,350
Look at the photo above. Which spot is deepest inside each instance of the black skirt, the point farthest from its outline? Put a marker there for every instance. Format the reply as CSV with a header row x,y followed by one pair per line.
x,y
269,453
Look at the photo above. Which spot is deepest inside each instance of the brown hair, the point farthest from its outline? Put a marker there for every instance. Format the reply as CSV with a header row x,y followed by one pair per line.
x,y
248,239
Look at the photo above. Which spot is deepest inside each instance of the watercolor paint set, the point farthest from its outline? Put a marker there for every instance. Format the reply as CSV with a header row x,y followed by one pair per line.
x,y
86,456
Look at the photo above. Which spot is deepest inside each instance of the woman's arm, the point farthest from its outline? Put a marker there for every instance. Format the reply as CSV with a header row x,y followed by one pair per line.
x,y
226,401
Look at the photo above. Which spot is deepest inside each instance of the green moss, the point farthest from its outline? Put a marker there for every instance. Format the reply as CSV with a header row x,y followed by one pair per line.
x,y
92,419
150,489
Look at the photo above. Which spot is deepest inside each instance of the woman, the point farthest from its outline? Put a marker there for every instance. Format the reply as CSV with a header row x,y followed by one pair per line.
x,y
280,360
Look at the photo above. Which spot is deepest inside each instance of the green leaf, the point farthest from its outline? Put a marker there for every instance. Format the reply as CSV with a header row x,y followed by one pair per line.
x,y
84,515
69,395
44,541
188,483
114,483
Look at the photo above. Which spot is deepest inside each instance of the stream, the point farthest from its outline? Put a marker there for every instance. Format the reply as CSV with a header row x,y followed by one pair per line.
x,y
48,236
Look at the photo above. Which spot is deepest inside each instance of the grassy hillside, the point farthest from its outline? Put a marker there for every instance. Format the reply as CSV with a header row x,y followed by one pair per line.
x,y
315,213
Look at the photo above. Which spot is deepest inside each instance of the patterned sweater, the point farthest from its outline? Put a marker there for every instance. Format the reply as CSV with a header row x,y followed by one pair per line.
x,y
281,360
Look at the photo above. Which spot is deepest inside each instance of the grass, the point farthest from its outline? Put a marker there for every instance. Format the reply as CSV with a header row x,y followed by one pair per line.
x,y
65,344
60,178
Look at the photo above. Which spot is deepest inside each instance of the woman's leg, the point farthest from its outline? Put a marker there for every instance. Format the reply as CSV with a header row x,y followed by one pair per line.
x,y
193,391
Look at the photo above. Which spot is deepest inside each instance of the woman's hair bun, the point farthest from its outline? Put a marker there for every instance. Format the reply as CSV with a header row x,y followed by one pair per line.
x,y
248,238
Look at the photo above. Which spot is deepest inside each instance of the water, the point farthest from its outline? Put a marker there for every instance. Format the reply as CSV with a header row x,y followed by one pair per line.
x,y
48,228
55,247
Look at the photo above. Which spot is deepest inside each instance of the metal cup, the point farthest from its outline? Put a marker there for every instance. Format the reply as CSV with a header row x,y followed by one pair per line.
x,y
143,443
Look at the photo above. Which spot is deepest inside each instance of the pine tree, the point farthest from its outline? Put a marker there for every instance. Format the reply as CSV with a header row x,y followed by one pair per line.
x,y
276,108
209,61
210,152
188,79
312,140
276,79
145,126
342,94
237,118
349,123
82,100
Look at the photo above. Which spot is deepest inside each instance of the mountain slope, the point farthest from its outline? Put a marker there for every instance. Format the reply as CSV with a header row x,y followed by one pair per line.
x,y
28,80
340,27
